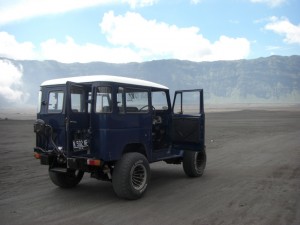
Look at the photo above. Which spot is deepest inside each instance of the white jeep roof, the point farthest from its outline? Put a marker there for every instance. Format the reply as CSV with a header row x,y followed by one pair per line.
x,y
103,78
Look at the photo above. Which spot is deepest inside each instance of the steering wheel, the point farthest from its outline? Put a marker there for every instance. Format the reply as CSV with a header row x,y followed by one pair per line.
x,y
153,109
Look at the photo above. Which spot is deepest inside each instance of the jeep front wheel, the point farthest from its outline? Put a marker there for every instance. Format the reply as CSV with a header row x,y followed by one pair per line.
x,y
194,163
131,176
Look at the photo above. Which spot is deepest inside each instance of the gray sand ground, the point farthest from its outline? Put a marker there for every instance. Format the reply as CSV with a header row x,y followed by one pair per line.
x,y
252,177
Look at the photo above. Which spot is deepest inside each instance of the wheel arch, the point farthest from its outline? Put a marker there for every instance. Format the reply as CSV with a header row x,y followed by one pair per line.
x,y
135,147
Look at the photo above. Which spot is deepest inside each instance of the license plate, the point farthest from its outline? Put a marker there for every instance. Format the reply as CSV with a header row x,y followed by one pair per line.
x,y
80,145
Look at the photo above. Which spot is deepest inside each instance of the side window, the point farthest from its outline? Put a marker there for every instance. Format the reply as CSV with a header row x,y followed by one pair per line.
x,y
187,102
159,100
103,100
77,100
136,100
55,101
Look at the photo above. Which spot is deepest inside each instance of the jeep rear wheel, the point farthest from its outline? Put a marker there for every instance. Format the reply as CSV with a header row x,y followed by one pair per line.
x,y
131,176
67,179
194,163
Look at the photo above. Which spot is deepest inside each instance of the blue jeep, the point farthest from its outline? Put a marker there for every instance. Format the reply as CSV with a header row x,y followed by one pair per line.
x,y
113,127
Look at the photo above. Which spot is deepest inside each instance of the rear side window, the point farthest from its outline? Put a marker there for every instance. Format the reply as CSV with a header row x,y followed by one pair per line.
x,y
103,100
77,100
55,101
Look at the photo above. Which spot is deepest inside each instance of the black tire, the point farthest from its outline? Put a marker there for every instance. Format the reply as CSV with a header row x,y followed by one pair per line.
x,y
131,176
194,163
66,180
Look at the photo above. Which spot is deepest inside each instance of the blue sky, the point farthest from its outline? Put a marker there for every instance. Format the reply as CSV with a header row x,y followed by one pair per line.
x,y
142,30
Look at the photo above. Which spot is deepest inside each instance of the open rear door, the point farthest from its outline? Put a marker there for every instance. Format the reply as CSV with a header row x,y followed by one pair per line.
x,y
77,119
188,120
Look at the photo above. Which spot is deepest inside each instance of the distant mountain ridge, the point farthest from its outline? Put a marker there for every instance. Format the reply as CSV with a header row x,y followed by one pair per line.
x,y
275,79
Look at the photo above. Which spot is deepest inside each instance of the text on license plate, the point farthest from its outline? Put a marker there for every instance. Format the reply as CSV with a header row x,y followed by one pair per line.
x,y
80,144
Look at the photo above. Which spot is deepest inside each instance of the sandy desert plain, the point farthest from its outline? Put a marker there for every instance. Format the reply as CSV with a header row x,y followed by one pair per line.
x,y
252,177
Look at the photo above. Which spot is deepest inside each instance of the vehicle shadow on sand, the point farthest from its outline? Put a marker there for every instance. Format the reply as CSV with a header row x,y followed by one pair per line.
x,y
162,182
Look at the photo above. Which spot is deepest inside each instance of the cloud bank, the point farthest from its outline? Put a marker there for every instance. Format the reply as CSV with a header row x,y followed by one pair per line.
x,y
161,40
284,27
131,38
11,83
11,48
70,51
16,10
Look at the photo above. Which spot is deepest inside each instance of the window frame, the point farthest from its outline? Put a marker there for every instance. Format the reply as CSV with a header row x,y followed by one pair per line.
x,y
83,107
55,111
166,102
124,107
111,99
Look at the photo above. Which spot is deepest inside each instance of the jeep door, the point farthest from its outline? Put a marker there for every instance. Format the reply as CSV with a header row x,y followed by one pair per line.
x,y
77,118
52,112
188,120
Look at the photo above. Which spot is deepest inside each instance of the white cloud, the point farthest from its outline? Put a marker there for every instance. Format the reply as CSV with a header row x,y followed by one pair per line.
x,y
271,3
161,40
70,51
273,48
67,52
139,3
229,48
195,2
11,82
284,27
11,48
15,10
131,38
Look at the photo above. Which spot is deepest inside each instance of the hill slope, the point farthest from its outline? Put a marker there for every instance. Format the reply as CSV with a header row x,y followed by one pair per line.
x,y
275,79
